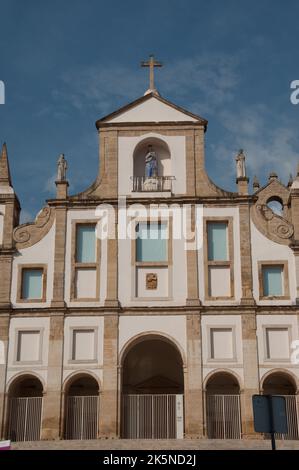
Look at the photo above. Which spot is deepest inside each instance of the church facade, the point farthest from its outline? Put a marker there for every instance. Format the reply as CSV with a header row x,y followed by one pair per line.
x,y
115,322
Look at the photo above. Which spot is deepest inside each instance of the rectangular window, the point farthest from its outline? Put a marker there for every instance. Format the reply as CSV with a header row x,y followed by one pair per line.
x,y
83,348
277,343
217,241
32,283
85,244
28,347
222,343
272,281
151,242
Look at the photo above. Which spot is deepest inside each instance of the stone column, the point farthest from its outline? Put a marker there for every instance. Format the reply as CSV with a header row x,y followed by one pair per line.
x,y
251,373
51,419
193,379
4,336
108,419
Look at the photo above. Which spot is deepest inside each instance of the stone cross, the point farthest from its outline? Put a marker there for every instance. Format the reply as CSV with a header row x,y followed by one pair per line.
x,y
151,63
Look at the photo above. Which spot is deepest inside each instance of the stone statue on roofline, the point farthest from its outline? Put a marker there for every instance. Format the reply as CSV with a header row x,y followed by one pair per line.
x,y
61,168
240,162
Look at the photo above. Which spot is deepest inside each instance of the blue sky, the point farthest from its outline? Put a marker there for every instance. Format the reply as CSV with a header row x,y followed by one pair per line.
x,y
67,63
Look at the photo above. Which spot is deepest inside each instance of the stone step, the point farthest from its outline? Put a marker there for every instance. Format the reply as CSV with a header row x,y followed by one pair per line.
x,y
150,444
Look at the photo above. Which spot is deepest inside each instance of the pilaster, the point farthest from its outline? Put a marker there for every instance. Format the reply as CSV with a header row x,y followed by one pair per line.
x,y
4,337
108,419
245,253
51,419
59,257
193,379
251,373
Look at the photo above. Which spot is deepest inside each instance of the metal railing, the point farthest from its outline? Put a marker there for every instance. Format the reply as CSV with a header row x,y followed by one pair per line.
x,y
82,414
25,419
223,416
292,419
149,416
152,184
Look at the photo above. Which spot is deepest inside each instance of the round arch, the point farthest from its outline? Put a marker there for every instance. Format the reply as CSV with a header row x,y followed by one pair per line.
x,y
279,382
81,406
151,335
24,407
152,387
23,382
152,363
80,374
222,382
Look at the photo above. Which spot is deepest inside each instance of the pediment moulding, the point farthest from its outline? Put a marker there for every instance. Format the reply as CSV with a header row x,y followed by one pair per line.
x,y
28,234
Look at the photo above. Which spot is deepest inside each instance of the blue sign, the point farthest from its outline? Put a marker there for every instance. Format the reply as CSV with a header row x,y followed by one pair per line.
x,y
269,413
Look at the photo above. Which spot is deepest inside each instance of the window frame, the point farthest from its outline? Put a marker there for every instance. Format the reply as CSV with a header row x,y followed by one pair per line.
x,y
33,266
232,328
18,331
219,263
73,330
75,265
285,280
155,264
267,327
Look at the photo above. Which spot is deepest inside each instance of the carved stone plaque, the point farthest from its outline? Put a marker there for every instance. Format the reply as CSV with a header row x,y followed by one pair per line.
x,y
151,281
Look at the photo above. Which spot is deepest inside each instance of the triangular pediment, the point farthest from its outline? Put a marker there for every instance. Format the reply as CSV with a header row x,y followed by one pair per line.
x,y
150,108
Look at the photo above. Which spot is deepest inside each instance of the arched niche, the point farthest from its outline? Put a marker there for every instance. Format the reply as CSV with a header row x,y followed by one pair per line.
x,y
162,153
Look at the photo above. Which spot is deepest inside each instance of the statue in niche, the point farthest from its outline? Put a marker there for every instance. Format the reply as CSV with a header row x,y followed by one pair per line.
x,y
151,165
61,168
240,161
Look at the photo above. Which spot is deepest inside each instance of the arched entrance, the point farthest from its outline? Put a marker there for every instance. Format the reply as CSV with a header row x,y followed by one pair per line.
x,y
152,390
81,408
25,409
223,407
280,383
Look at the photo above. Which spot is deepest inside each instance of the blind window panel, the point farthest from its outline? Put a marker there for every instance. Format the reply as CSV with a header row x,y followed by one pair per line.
x,y
151,242
32,281
217,241
272,280
86,244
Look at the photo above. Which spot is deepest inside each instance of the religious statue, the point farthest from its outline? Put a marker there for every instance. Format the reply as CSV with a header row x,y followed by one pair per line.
x,y
151,166
61,168
240,160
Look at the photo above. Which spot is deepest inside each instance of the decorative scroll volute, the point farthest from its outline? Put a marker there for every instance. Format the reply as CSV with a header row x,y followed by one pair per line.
x,y
277,228
28,234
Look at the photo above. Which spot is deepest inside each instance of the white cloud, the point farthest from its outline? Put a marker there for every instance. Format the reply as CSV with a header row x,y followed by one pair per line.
x,y
270,144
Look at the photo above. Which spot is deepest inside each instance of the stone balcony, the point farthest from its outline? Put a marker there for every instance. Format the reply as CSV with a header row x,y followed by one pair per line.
x,y
152,184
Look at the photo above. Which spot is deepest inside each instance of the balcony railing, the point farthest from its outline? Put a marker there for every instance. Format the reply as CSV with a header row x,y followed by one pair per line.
x,y
152,184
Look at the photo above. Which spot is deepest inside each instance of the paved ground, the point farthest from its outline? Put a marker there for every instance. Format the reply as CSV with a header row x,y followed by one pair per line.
x,y
179,444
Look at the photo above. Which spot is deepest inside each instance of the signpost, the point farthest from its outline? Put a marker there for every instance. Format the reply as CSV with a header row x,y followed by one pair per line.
x,y
269,412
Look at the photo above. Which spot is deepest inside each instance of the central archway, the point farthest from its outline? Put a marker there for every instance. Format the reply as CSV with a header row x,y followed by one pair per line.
x,y
152,389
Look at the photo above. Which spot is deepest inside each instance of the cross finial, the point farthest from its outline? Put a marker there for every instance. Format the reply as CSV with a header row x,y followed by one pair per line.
x,y
151,63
